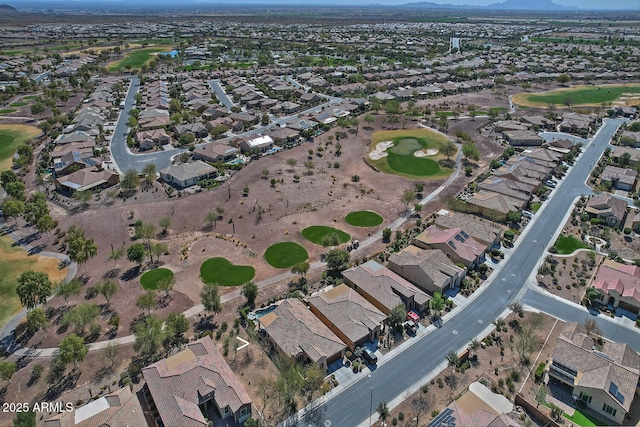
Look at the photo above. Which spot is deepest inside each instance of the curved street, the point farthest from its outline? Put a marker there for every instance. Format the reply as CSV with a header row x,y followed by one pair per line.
x,y
392,378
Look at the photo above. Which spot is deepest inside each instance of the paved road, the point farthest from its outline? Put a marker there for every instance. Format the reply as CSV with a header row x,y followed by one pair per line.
x,y
221,94
125,159
390,380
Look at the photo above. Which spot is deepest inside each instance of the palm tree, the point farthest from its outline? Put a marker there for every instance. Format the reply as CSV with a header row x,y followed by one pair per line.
x,y
383,412
474,345
452,359
499,323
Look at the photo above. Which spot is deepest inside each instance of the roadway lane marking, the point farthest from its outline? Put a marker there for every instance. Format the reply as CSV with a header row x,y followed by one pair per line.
x,y
480,321
455,332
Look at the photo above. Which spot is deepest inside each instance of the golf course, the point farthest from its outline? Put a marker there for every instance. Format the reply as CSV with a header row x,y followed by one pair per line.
x,y
628,94
135,59
11,136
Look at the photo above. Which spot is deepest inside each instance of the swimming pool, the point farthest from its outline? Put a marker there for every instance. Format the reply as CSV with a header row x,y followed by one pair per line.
x,y
261,312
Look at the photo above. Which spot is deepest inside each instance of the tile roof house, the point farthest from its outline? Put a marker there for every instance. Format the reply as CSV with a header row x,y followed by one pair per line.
x,y
484,231
608,208
187,174
620,178
430,270
85,179
522,137
619,285
385,289
348,314
215,152
508,187
119,408
456,243
183,387
605,380
299,335
494,205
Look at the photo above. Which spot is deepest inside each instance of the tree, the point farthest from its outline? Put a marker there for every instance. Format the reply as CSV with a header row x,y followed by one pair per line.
x,y
473,347
15,189
250,292
166,285
35,208
130,181
397,316
563,79
81,249
383,411
12,209
499,323
164,223
37,108
556,411
84,197
66,289
386,235
407,197
116,254
147,301
25,419
72,349
516,307
149,172
292,163
591,294
300,268
591,326
8,176
470,151
149,337
45,224
110,352
514,217
449,149
210,298
80,316
136,253
452,359
7,369
309,165
437,303
107,289
33,288
145,230
36,320
337,259
175,327
210,219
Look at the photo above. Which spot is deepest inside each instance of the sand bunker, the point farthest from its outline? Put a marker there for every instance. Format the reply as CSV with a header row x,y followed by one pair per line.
x,y
380,150
425,153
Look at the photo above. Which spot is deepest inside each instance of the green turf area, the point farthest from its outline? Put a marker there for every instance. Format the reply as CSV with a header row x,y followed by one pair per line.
x,y
568,244
497,110
151,278
136,59
224,273
8,111
18,104
581,95
11,136
363,219
325,236
285,254
400,159
13,52
14,261
535,207
31,97
584,419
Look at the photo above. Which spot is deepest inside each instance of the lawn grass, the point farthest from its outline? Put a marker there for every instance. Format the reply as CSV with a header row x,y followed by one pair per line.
x,y
535,207
584,419
363,219
578,95
31,97
568,244
317,234
11,136
285,254
400,159
18,104
149,280
135,59
8,111
223,272
14,261
497,110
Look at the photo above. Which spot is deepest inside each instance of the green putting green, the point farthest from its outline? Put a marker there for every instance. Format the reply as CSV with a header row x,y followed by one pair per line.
x,y
325,236
568,244
223,272
151,278
581,95
285,254
363,219
409,155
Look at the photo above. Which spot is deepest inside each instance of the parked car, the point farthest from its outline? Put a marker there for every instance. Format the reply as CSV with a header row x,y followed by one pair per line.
x,y
369,356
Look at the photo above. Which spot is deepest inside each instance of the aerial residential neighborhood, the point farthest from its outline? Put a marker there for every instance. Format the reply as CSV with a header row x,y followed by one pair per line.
x,y
257,214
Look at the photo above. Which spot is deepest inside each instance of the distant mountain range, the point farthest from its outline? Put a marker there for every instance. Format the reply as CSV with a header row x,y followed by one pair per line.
x,y
528,5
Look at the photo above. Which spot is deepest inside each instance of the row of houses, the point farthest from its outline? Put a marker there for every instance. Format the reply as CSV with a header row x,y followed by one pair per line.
x,y
353,313
516,183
